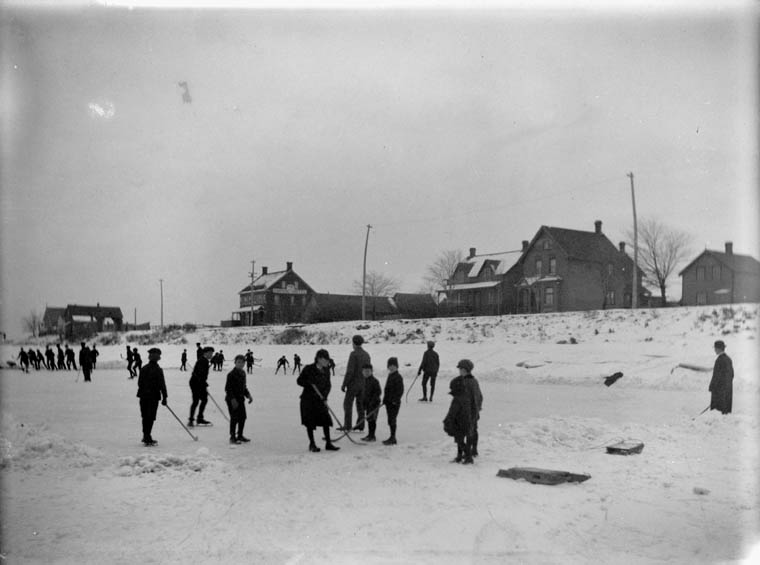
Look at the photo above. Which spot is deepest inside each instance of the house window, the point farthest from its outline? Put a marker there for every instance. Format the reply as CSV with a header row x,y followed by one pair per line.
x,y
701,298
283,284
700,273
539,265
609,269
552,266
277,299
547,244
610,298
549,296
295,284
292,300
716,272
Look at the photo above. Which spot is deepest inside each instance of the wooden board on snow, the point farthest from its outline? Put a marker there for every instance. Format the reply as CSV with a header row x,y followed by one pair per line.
x,y
542,476
625,448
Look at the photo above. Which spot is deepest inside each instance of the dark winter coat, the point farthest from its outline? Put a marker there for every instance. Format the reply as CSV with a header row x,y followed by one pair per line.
x,y
354,379
474,396
721,384
130,356
151,384
236,386
430,363
371,394
394,390
137,358
458,421
199,376
85,358
314,412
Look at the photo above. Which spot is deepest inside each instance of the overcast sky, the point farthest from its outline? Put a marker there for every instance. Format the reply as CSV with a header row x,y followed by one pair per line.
x,y
296,129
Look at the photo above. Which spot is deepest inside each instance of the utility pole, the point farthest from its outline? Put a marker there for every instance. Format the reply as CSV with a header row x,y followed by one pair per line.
x,y
253,277
135,317
161,281
364,275
635,293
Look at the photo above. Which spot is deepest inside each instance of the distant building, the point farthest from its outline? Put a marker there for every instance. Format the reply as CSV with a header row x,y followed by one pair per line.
x,y
720,277
278,297
76,320
559,270
328,307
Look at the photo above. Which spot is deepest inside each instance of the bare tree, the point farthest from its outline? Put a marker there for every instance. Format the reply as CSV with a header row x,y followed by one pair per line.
x,y
661,249
33,322
377,285
440,271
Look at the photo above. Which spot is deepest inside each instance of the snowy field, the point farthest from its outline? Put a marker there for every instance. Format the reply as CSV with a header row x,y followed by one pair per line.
x,y
79,487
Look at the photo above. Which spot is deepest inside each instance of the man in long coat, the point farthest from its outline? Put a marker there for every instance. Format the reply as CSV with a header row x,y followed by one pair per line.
x,y
314,412
721,384
353,384
151,388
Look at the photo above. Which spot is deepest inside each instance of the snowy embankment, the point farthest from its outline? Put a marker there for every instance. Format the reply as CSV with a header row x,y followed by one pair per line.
x,y
79,488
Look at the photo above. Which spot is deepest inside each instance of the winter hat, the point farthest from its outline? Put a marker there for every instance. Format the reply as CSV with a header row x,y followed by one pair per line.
x,y
154,351
431,344
322,354
208,349
367,366
720,345
392,361
357,339
465,364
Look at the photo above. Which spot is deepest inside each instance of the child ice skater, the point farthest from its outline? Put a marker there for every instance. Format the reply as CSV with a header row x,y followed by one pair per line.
x,y
457,423
236,393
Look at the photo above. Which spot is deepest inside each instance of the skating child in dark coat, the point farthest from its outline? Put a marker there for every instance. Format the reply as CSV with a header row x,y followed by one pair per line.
x,y
236,393
458,420
371,400
394,390
475,397
315,380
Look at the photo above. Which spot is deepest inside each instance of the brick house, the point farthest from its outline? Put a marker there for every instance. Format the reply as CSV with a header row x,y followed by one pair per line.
x,y
720,277
481,285
76,320
328,307
279,297
564,270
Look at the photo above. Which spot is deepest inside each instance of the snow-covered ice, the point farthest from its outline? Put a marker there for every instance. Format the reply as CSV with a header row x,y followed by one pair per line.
x,y
78,487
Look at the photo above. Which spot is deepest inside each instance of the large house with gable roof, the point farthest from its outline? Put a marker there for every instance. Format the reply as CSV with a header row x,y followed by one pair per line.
x,y
559,270
720,277
278,297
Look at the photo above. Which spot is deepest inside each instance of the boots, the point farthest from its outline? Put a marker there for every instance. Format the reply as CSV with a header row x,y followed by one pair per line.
x,y
190,423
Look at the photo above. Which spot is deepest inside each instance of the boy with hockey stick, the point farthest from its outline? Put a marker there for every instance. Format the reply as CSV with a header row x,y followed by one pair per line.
x,y
458,421
315,380
394,390
236,393
370,400
151,388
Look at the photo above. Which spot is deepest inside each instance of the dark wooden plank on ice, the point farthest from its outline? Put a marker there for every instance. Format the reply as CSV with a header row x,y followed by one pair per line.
x,y
542,476
625,448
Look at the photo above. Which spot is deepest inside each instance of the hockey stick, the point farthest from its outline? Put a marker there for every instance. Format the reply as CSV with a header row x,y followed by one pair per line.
x,y
702,412
217,406
319,394
359,423
195,438
411,387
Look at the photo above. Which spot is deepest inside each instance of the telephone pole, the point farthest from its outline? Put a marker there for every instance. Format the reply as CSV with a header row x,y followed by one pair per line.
x,y
364,275
161,282
635,293
253,277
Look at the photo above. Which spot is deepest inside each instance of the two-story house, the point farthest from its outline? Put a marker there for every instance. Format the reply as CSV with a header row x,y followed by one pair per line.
x,y
481,285
720,277
279,297
564,270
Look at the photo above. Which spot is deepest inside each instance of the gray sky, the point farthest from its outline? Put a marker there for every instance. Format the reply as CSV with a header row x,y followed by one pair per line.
x,y
442,129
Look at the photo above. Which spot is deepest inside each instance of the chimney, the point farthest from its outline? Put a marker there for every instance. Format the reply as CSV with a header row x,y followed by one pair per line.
x,y
598,226
289,266
472,253
525,245
622,247
264,270
729,248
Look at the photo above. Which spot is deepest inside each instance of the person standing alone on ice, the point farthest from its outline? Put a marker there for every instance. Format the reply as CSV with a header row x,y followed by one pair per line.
x,y
151,388
394,390
721,384
236,393
282,362
429,369
183,361
314,412
130,360
199,387
296,363
353,385
475,400
85,362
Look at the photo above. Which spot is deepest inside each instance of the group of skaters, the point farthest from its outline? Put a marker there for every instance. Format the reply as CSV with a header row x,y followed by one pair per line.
x,y
64,359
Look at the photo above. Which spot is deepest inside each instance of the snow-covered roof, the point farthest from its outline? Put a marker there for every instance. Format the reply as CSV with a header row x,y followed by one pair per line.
x,y
505,261
264,282
469,286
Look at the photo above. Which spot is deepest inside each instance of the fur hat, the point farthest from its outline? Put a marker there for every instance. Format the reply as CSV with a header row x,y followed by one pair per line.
x,y
465,364
392,361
